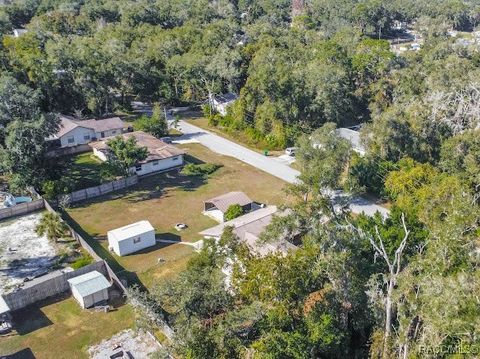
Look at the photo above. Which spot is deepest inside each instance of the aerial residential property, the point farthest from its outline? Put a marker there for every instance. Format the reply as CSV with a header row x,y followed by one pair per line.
x,y
193,179
161,155
74,132
218,206
220,103
248,229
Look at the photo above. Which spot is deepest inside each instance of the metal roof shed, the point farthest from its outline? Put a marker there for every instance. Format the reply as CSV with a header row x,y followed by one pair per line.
x,y
90,288
131,238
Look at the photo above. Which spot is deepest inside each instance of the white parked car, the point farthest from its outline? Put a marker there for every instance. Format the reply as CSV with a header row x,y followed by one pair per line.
x,y
290,151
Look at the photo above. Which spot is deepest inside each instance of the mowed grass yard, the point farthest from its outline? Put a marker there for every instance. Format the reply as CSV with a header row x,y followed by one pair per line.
x,y
82,170
167,199
62,330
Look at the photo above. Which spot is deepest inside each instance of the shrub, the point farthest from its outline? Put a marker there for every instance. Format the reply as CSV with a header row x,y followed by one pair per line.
x,y
83,261
204,169
234,211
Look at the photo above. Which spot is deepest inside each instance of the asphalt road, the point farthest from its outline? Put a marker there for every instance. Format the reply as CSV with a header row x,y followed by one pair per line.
x,y
272,165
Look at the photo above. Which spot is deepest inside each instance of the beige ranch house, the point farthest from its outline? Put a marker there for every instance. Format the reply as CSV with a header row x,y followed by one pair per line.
x,y
161,156
74,132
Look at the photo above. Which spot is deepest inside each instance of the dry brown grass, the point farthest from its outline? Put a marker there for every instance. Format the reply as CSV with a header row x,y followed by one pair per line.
x,y
170,198
59,328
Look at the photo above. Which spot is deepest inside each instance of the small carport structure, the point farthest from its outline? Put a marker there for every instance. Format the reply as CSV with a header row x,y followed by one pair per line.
x,y
216,207
90,288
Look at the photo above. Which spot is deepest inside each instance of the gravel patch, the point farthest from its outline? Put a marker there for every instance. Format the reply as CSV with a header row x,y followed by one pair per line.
x,y
23,254
137,344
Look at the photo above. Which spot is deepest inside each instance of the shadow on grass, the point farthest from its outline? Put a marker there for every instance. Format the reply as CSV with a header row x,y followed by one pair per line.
x,y
130,277
169,236
22,354
152,187
82,170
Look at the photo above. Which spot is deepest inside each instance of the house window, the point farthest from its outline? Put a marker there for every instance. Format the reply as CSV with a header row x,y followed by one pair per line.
x,y
71,139
86,136
102,134
114,132
175,159
155,163
138,168
137,240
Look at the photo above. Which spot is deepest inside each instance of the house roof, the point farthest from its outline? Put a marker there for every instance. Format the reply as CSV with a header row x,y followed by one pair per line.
x,y
226,200
226,98
131,230
3,306
248,229
353,137
107,124
68,123
157,149
89,283
253,222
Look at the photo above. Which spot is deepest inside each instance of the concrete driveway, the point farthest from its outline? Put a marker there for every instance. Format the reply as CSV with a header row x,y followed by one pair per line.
x,y
270,165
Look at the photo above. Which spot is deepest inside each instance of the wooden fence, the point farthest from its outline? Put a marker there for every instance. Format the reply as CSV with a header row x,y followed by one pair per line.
x,y
97,191
66,151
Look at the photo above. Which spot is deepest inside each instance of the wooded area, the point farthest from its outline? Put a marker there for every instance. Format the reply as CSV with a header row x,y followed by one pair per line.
x,y
402,287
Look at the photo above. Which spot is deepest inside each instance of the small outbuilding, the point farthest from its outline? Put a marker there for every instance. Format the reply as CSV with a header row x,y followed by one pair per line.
x,y
90,288
131,238
216,207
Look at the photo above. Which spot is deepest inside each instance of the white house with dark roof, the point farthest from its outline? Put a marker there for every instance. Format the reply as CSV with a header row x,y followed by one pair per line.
x,y
74,132
220,103
161,156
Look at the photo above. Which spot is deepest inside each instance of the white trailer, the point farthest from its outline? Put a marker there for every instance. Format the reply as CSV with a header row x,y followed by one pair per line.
x,y
131,238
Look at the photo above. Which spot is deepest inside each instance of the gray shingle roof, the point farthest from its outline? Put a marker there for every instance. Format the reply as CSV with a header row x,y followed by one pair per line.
x,y
226,200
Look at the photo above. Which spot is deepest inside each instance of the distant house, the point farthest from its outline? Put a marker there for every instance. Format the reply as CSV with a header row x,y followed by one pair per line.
x,y
90,288
131,238
220,103
352,135
248,229
216,207
19,32
161,156
74,132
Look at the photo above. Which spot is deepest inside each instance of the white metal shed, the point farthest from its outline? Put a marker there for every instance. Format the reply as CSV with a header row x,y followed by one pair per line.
x,y
89,288
131,238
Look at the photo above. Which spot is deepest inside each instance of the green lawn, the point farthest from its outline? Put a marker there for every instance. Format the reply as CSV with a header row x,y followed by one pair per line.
x,y
82,170
164,200
62,329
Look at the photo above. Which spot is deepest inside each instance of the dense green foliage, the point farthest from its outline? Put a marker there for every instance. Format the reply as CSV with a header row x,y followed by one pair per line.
x,y
52,226
199,169
125,153
232,212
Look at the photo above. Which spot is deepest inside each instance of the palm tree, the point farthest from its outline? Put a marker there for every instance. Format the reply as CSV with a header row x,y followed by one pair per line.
x,y
52,226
